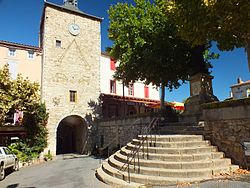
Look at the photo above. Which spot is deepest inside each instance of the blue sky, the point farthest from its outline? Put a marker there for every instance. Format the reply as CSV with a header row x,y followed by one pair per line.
x,y
20,20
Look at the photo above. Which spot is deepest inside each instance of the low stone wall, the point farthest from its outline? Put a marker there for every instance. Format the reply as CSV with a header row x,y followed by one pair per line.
x,y
118,132
228,128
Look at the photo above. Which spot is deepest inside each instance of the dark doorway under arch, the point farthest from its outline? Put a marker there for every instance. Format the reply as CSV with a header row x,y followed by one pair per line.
x,y
71,135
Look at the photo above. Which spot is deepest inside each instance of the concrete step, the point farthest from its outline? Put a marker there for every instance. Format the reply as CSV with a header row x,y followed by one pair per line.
x,y
179,132
172,159
147,179
113,181
152,143
177,157
177,124
176,173
173,138
186,150
211,163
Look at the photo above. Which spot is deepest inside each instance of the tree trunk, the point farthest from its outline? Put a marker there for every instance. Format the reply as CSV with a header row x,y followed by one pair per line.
x,y
248,53
162,96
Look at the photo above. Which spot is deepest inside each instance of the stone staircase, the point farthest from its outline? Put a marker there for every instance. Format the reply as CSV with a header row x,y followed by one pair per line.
x,y
179,128
163,160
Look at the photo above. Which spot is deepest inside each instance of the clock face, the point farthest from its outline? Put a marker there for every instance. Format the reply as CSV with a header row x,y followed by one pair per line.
x,y
74,29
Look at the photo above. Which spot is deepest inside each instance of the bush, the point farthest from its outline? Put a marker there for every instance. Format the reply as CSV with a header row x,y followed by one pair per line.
x,y
227,103
48,156
35,142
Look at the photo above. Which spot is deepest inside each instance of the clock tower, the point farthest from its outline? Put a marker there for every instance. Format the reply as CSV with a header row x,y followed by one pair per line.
x,y
70,40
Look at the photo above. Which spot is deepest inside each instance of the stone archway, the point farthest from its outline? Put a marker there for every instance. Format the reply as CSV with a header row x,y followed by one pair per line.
x,y
71,135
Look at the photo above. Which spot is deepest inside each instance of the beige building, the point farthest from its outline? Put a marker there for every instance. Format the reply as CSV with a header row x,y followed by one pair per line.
x,y
22,59
241,89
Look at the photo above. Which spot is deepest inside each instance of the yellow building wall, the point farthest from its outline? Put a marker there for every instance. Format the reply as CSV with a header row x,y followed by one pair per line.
x,y
30,68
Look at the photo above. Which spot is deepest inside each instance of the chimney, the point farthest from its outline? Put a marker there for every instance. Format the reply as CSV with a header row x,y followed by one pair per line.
x,y
239,81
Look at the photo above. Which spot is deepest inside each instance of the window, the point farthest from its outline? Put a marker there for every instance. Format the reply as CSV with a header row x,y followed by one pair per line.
x,y
58,43
112,64
146,91
112,86
131,89
31,54
248,92
7,151
12,52
13,69
72,96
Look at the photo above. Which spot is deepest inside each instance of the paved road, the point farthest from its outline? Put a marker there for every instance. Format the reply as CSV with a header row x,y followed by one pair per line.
x,y
73,171
68,171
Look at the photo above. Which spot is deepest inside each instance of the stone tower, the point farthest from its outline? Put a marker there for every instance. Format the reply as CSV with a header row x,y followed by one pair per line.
x,y
70,40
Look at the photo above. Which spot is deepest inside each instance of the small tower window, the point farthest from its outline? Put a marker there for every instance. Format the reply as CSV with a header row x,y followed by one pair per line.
x,y
58,43
12,52
112,64
146,92
72,96
112,86
131,89
31,54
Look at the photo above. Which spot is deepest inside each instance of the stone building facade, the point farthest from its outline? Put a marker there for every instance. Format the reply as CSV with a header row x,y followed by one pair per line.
x,y
73,74
70,40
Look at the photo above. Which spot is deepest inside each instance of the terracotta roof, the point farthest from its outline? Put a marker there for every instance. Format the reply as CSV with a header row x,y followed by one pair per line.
x,y
18,45
240,84
130,99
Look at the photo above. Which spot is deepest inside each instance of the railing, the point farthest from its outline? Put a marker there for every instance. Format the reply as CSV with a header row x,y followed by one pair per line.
x,y
134,154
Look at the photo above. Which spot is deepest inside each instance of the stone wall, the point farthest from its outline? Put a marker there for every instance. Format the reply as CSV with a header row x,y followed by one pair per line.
x,y
228,128
73,66
119,132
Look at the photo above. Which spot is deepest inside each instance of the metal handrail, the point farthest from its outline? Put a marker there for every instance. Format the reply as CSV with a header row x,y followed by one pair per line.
x,y
132,155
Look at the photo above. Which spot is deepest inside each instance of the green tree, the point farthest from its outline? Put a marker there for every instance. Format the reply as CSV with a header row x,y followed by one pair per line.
x,y
21,94
146,45
16,94
5,93
224,21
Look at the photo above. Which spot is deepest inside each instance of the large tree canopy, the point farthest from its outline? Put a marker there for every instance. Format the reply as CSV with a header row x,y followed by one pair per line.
x,y
146,45
148,48
224,21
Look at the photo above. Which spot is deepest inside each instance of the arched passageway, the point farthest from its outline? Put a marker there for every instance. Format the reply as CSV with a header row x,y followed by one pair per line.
x,y
71,135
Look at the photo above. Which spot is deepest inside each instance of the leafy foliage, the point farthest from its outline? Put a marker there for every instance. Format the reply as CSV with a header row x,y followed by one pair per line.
x,y
148,47
224,21
18,94
48,156
23,95
146,44
227,103
5,93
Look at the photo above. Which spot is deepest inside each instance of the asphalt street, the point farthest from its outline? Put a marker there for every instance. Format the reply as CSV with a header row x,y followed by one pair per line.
x,y
68,171
74,171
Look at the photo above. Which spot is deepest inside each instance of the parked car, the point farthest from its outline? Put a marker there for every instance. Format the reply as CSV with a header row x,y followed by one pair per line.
x,y
8,160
